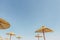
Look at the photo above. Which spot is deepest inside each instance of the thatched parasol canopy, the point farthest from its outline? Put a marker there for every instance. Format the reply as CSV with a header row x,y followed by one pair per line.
x,y
4,24
18,37
11,33
44,29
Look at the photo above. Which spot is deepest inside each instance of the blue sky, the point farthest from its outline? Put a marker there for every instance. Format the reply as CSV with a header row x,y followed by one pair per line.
x,y
26,16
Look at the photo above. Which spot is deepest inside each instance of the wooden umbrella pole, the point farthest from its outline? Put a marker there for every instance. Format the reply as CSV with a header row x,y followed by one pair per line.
x,y
19,38
44,35
10,37
38,38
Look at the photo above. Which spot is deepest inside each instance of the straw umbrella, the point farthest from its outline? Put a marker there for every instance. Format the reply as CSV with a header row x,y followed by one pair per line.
x,y
4,24
38,36
1,38
18,37
11,34
43,30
